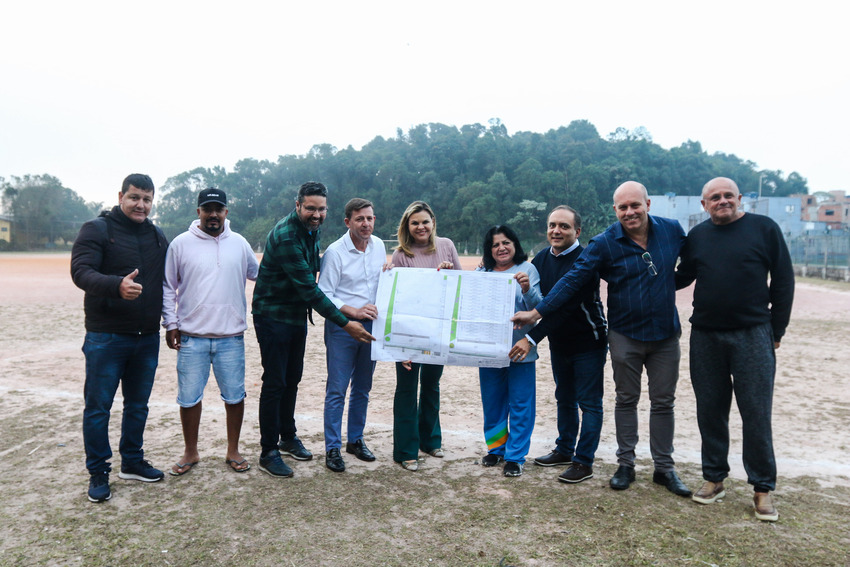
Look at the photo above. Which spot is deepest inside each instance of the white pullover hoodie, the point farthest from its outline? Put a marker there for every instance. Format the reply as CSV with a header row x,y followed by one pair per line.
x,y
204,285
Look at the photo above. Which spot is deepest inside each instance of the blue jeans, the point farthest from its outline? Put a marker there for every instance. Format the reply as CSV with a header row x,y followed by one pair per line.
x,y
227,356
349,362
508,396
282,354
112,359
579,383
743,362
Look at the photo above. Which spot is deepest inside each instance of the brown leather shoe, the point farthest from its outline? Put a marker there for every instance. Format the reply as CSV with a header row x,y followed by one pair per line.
x,y
765,510
709,493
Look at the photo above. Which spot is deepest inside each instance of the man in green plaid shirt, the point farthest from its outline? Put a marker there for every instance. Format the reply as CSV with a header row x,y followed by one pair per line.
x,y
284,297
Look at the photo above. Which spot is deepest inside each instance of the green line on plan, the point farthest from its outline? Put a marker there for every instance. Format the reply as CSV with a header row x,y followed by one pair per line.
x,y
388,326
454,315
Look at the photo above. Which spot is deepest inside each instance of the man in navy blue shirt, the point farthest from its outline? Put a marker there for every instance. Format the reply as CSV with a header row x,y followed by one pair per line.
x,y
637,257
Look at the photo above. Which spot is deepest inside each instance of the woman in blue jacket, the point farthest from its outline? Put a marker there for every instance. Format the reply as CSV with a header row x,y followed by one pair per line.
x,y
508,394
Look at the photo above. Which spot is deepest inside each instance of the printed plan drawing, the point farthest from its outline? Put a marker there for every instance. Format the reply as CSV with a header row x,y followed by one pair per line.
x,y
444,317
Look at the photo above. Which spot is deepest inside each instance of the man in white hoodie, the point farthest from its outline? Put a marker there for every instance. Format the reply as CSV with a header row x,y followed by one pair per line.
x,y
204,314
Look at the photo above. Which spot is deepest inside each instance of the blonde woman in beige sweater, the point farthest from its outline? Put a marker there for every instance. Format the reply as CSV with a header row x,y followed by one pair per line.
x,y
416,406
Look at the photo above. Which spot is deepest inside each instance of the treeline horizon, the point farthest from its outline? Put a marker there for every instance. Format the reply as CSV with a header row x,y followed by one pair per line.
x,y
473,177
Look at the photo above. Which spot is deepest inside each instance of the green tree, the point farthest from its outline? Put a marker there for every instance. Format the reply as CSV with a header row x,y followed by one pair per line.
x,y
583,184
45,212
473,176
793,185
177,200
528,221
528,179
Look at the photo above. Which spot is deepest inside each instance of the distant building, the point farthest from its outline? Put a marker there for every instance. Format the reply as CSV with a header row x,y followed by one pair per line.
x,y
788,212
682,208
6,228
834,212
809,204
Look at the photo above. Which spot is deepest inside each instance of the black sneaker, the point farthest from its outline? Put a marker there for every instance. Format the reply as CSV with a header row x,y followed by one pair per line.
x,y
141,470
272,464
491,460
512,469
99,487
334,461
576,472
295,449
555,458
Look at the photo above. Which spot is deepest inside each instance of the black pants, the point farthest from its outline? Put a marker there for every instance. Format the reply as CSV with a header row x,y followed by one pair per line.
x,y
282,353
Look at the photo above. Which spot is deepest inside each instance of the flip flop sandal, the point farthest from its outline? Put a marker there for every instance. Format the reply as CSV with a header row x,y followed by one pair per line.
x,y
231,463
190,466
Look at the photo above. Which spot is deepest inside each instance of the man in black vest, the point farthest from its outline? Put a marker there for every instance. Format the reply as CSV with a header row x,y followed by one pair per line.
x,y
578,346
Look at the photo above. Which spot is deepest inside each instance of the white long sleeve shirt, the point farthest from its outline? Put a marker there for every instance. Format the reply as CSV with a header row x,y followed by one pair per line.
x,y
349,276
204,285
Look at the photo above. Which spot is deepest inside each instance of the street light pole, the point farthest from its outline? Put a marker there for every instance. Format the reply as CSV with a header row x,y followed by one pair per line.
x,y
761,176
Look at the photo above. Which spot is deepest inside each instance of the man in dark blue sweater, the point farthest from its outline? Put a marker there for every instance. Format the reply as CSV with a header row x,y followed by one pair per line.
x,y
738,320
578,346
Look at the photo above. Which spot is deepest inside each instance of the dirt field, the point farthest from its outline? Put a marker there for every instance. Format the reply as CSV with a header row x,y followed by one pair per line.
x,y
43,473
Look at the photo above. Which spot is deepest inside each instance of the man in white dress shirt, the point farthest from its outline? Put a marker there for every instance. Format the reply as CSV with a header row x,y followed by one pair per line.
x,y
349,278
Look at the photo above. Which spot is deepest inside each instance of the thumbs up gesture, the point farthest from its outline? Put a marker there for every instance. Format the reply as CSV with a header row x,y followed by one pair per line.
x,y
129,289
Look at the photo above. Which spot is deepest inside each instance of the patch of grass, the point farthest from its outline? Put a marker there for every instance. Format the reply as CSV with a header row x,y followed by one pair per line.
x,y
22,423
831,284
451,515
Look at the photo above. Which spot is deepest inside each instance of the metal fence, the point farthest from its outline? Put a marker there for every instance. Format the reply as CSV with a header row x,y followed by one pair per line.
x,y
824,255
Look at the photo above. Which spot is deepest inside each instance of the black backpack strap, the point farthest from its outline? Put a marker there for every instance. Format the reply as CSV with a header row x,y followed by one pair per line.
x,y
105,228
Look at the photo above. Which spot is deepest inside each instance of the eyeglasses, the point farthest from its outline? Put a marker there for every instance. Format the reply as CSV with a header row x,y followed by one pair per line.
x,y
647,257
314,210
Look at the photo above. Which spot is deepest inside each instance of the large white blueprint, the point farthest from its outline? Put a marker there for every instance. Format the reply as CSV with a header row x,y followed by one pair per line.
x,y
444,317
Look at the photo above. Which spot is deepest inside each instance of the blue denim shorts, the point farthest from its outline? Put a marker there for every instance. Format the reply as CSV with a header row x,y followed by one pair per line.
x,y
196,354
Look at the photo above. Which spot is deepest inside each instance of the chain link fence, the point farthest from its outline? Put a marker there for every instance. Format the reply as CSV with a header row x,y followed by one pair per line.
x,y
824,256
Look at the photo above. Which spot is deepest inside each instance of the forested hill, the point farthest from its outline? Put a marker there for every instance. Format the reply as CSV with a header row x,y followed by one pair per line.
x,y
474,176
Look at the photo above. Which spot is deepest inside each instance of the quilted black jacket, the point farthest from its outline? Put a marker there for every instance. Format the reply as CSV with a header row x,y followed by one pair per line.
x,y
107,249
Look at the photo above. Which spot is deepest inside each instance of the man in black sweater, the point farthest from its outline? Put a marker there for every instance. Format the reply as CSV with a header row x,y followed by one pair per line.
x,y
118,259
738,321
578,346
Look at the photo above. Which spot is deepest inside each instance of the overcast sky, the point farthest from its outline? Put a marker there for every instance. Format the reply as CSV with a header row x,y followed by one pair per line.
x,y
92,91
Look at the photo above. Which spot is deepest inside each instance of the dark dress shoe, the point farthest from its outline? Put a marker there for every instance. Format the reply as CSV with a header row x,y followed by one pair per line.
x,y
333,460
671,480
622,478
360,450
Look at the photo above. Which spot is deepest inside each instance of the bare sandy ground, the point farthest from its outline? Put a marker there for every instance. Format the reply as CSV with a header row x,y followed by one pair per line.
x,y
42,373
